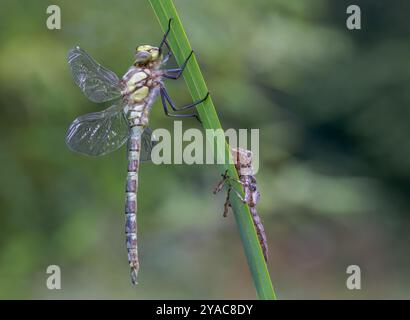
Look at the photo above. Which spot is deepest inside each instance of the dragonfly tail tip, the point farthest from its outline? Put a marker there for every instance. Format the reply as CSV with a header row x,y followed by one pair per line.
x,y
134,275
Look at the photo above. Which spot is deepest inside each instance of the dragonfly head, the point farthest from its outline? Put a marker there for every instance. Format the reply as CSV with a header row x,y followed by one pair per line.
x,y
146,53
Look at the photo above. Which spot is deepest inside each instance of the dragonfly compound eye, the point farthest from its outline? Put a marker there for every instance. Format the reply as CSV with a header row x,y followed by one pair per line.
x,y
142,57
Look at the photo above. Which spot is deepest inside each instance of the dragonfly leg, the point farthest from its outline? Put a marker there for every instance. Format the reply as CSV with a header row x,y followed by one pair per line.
x,y
168,55
164,104
164,38
219,186
227,203
228,179
165,94
178,71
233,179
221,183
236,180
240,197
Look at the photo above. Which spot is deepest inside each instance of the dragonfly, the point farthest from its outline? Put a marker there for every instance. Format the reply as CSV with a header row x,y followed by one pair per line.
x,y
126,120
243,165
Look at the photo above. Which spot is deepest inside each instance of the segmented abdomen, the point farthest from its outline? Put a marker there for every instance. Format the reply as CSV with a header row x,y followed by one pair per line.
x,y
252,196
131,200
260,231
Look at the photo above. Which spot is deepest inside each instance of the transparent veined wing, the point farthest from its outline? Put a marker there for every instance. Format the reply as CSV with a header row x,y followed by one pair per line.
x,y
147,144
98,133
98,83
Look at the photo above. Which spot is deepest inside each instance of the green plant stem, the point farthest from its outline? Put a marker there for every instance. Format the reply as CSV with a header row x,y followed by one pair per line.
x,y
178,41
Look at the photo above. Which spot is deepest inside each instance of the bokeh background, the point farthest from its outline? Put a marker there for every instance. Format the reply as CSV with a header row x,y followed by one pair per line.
x,y
332,106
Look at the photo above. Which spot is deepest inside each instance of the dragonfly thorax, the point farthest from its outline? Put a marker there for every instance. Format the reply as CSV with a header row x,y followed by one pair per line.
x,y
139,90
138,82
243,161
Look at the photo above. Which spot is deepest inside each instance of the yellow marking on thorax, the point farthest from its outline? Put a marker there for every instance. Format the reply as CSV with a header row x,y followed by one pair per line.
x,y
137,77
139,94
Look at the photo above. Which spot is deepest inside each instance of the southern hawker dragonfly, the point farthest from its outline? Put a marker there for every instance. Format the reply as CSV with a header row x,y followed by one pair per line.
x,y
126,120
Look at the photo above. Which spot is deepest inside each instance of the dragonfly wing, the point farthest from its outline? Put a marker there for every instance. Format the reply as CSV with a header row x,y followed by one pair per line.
x,y
98,83
147,144
98,133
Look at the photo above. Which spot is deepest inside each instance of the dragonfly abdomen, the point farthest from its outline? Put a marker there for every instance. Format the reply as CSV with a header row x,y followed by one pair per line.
x,y
131,200
252,196
260,230
139,94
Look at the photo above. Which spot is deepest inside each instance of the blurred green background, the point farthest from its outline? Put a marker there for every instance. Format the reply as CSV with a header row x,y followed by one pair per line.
x,y
332,106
